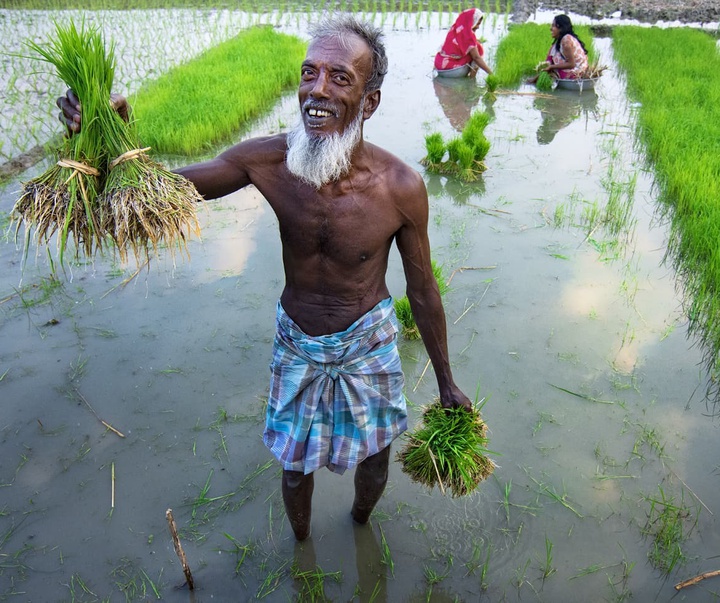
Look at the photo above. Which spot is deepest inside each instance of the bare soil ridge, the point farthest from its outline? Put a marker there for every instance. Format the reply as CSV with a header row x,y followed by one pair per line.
x,y
645,11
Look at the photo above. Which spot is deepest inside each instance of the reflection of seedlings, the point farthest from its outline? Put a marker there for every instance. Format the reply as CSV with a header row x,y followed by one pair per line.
x,y
665,524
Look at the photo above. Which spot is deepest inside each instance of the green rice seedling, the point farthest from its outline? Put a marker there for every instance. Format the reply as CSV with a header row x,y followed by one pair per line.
x,y
665,524
544,81
222,90
435,147
403,311
518,52
114,189
453,149
63,200
405,317
448,449
547,568
386,556
679,144
491,84
312,583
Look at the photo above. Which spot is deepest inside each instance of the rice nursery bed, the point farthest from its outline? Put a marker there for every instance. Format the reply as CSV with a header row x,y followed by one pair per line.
x,y
130,392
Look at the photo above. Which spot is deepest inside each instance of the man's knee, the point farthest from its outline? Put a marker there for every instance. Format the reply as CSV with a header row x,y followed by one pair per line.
x,y
296,479
378,463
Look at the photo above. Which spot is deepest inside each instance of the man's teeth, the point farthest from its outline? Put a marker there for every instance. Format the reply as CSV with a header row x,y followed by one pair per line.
x,y
319,113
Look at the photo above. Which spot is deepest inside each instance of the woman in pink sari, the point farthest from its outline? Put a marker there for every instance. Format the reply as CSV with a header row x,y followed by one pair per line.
x,y
461,54
567,57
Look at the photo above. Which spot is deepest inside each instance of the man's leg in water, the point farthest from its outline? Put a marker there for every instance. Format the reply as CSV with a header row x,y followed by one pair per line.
x,y
370,478
297,490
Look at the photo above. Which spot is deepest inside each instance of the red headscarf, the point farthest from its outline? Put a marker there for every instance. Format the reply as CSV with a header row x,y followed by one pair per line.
x,y
459,40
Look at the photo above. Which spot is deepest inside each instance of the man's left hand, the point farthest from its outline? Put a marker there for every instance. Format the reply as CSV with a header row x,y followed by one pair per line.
x,y
454,398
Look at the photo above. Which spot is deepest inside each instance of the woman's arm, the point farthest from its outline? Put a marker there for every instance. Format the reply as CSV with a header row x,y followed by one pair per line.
x,y
478,62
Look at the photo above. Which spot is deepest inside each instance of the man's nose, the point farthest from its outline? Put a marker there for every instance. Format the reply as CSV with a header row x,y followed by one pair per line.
x,y
320,86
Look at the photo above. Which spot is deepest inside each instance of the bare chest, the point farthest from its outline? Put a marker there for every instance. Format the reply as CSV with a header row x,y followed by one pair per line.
x,y
348,228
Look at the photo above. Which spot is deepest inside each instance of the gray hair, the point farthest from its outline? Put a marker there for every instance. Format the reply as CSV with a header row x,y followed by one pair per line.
x,y
340,28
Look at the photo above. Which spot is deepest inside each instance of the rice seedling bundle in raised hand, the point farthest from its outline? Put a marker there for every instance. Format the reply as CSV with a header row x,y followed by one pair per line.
x,y
103,186
448,449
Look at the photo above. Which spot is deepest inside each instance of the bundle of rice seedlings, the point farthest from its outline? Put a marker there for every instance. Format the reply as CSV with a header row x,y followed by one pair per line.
x,y
544,81
63,200
149,203
448,450
594,70
491,84
435,147
104,185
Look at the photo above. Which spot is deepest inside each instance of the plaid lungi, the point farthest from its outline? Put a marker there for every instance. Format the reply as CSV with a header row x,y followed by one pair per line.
x,y
335,399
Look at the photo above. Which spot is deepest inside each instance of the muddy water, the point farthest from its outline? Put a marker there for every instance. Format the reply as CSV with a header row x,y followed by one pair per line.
x,y
575,338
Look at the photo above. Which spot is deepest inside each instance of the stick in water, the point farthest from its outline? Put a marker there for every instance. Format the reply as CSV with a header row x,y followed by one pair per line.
x,y
697,579
178,549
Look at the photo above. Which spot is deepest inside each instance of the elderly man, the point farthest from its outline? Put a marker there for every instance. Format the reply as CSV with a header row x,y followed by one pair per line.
x,y
336,395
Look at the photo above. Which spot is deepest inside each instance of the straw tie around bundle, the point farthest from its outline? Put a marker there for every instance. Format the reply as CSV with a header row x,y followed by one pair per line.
x,y
127,156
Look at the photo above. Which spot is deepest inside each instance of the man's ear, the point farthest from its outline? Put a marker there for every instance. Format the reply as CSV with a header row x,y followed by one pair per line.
x,y
372,100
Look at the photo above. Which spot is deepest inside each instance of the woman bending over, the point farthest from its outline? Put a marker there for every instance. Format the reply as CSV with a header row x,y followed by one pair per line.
x,y
461,54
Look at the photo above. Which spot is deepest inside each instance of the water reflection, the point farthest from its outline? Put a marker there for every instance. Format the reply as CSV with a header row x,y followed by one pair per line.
x,y
458,97
372,578
560,109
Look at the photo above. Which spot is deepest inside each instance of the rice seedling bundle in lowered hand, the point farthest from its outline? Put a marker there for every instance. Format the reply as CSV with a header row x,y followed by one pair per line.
x,y
448,449
103,186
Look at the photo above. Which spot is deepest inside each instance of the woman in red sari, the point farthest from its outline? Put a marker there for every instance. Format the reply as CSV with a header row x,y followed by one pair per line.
x,y
461,54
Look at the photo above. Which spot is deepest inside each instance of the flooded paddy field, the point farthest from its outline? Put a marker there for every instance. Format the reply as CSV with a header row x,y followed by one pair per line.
x,y
576,337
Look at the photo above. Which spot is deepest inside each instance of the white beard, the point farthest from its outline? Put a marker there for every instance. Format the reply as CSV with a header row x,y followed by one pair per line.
x,y
318,159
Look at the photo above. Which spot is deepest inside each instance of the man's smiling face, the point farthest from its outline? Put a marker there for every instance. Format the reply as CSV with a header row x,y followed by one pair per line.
x,y
332,85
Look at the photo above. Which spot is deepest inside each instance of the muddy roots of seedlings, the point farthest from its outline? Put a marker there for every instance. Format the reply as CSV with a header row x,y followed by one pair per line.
x,y
62,201
150,206
448,449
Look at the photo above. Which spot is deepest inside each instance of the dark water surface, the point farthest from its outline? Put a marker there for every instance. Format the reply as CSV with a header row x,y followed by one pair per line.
x,y
577,340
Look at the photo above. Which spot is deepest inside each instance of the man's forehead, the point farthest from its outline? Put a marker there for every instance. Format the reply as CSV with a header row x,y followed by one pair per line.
x,y
348,50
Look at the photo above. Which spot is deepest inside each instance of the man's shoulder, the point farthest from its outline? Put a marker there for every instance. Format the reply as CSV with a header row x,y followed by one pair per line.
x,y
397,170
261,149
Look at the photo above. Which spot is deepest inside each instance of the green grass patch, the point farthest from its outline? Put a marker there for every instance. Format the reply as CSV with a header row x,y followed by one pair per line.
x,y
526,45
210,98
678,122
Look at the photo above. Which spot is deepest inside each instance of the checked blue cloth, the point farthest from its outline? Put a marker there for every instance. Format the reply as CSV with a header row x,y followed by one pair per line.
x,y
335,399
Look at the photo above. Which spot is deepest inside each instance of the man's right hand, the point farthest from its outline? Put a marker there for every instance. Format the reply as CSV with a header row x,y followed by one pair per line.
x,y
69,115
70,110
